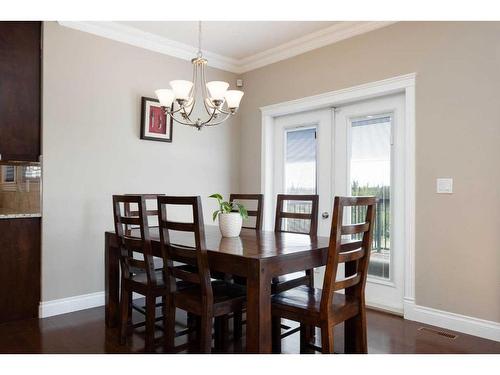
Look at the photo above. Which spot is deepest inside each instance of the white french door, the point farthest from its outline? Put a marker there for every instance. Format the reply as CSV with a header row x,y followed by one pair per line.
x,y
302,155
353,150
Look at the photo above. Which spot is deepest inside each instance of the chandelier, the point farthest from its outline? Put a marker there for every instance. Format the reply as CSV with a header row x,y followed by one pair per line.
x,y
219,103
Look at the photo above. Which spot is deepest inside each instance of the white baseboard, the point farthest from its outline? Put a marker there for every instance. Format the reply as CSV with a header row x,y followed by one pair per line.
x,y
455,322
70,304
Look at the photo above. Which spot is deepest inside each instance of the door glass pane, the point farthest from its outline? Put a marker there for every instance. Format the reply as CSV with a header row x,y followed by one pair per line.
x,y
371,175
300,174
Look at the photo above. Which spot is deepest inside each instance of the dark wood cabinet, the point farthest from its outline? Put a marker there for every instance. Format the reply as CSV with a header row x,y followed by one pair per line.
x,y
20,268
20,83
20,140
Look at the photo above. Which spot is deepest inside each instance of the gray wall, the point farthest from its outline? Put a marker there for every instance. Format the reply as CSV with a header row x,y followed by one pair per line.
x,y
457,135
91,114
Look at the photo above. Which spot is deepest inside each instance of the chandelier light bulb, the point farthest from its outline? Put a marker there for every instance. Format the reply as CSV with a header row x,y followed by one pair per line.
x,y
181,89
165,96
217,89
233,98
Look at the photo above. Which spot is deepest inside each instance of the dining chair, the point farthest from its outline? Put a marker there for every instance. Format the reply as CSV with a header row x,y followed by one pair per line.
x,y
130,211
282,283
306,222
325,308
207,298
257,213
137,275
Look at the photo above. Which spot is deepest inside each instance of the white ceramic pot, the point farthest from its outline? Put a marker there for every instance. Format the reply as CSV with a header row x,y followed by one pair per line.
x,y
230,224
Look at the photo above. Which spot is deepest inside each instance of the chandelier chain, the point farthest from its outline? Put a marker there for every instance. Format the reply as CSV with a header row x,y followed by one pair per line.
x,y
199,39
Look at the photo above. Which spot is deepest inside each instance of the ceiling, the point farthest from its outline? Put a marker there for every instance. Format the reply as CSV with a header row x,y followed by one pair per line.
x,y
235,46
236,40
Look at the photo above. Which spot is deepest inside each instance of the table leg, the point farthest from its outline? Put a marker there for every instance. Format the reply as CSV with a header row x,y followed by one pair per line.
x,y
112,283
258,331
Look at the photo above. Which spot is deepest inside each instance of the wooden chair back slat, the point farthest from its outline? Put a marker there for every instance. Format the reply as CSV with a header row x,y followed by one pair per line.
x,y
130,220
195,255
349,256
132,243
354,254
187,253
350,245
257,213
139,243
184,227
185,275
131,213
295,215
137,263
355,228
347,282
281,215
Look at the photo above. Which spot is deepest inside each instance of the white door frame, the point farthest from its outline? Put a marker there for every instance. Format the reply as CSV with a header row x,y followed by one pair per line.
x,y
401,84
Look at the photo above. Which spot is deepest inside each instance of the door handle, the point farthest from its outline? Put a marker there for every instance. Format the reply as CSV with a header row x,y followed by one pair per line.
x,y
325,215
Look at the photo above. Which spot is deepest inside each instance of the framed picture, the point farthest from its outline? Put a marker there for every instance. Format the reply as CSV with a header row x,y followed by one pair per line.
x,y
154,126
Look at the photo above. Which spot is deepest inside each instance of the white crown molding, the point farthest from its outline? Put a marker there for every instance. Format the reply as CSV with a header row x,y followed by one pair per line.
x,y
149,41
309,42
156,43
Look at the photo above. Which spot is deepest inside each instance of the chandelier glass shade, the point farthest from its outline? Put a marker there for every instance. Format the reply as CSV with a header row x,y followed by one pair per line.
x,y
218,103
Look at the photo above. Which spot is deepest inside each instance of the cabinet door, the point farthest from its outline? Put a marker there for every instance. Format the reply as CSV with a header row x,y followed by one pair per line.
x,y
20,90
19,268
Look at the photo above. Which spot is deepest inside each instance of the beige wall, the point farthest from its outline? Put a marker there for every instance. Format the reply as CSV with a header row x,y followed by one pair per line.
x,y
457,135
92,88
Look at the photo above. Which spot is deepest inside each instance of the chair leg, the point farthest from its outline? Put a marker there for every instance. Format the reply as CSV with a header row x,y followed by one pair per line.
x,y
305,338
221,332
150,322
191,323
237,325
310,274
326,338
124,306
206,333
169,324
355,340
130,301
276,334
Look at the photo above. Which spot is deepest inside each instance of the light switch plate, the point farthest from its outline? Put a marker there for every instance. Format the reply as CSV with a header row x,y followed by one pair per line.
x,y
444,185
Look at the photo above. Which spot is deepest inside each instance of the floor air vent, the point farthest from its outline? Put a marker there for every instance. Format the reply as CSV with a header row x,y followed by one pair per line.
x,y
438,332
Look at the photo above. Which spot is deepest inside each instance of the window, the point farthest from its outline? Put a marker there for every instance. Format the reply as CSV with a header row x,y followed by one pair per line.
x,y
300,174
8,174
371,175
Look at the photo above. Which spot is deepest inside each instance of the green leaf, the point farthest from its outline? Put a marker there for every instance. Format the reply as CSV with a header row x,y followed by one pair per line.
x,y
214,215
216,196
226,207
243,211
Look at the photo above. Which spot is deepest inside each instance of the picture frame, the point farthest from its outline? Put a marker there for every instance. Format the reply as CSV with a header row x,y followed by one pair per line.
x,y
155,124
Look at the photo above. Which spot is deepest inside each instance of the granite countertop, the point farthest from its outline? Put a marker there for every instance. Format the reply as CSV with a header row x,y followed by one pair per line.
x,y
11,214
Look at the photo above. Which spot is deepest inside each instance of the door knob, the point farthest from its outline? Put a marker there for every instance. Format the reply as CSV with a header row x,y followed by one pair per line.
x,y
325,215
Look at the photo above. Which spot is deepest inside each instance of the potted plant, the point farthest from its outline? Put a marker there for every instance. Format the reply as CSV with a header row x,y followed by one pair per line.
x,y
231,215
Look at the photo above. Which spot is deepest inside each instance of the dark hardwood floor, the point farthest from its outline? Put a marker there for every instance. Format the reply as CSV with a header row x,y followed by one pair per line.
x,y
85,332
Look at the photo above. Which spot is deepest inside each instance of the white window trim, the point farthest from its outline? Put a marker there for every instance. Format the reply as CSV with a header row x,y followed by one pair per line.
x,y
401,84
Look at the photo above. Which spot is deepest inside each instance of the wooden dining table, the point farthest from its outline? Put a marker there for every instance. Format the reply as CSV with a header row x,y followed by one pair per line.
x,y
256,255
